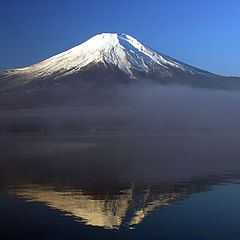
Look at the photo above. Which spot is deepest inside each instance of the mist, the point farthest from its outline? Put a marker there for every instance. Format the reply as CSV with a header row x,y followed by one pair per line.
x,y
183,107
132,107
138,132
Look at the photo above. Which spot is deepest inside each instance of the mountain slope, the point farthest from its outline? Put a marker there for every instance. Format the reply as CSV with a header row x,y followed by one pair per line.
x,y
105,60
122,51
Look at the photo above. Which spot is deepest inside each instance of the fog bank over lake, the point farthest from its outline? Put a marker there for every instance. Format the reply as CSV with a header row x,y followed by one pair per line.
x,y
137,106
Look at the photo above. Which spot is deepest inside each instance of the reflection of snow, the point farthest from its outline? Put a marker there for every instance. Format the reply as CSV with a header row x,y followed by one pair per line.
x,y
129,207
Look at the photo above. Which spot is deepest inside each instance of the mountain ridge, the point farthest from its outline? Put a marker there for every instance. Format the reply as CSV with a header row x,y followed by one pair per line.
x,y
120,50
105,60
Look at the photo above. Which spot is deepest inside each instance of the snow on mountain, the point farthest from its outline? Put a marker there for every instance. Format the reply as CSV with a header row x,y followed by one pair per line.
x,y
105,60
120,50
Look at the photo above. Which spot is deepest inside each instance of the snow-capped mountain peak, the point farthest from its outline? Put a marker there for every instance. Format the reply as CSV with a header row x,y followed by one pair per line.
x,y
120,50
102,62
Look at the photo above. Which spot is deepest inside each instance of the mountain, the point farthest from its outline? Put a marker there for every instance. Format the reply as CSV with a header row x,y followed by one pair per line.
x,y
103,61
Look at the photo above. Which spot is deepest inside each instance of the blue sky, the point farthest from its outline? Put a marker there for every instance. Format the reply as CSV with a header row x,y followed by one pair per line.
x,y
205,33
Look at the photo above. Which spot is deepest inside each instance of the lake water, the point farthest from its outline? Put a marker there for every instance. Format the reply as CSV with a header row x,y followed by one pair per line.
x,y
121,185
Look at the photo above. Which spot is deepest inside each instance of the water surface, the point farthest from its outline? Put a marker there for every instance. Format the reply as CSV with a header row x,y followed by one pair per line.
x,y
155,185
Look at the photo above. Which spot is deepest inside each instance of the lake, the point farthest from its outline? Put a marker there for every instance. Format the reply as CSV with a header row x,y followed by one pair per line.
x,y
120,185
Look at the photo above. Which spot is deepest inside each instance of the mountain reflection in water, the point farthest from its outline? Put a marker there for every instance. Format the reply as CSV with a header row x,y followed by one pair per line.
x,y
126,208
115,181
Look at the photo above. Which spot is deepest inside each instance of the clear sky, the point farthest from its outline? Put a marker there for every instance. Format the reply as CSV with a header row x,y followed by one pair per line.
x,y
202,33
